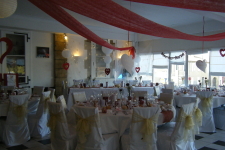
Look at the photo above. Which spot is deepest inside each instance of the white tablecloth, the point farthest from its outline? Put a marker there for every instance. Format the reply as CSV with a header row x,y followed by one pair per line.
x,y
111,123
179,100
96,91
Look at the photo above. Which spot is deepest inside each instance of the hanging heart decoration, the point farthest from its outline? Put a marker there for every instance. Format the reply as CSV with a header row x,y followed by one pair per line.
x,y
222,52
10,46
66,66
107,71
201,65
137,69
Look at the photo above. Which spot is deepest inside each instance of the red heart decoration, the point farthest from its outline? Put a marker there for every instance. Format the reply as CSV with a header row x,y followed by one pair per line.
x,y
66,66
107,71
137,69
222,52
10,46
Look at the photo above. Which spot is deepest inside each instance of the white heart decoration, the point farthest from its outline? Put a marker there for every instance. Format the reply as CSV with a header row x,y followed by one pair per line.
x,y
127,62
201,65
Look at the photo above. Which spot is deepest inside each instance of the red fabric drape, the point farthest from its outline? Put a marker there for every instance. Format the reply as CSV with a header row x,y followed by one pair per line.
x,y
66,19
207,5
112,13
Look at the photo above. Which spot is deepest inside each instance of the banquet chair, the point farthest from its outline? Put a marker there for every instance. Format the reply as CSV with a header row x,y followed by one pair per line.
x,y
52,95
79,97
33,105
62,100
63,135
206,106
166,98
133,82
88,118
170,85
146,82
37,90
178,135
8,88
15,129
156,91
170,91
37,122
197,116
140,137
140,94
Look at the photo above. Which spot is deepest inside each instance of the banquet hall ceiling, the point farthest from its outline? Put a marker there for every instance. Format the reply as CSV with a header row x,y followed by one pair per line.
x,y
180,19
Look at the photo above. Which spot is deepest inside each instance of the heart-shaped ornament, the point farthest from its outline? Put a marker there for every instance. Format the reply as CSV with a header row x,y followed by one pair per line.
x,y
10,46
127,62
201,65
107,71
222,52
137,69
66,66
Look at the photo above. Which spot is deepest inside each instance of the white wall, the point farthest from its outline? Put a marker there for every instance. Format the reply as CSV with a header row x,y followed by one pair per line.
x,y
42,73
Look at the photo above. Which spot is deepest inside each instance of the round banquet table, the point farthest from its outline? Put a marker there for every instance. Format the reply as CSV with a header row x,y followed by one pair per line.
x,y
96,91
179,100
111,123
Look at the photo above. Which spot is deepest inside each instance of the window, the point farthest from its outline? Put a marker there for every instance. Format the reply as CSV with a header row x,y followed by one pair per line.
x,y
194,73
146,67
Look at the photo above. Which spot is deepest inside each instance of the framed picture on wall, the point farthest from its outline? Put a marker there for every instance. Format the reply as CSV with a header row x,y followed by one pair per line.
x,y
11,79
43,52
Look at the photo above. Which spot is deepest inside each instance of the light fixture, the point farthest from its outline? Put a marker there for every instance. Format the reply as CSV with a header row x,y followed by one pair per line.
x,y
7,8
65,37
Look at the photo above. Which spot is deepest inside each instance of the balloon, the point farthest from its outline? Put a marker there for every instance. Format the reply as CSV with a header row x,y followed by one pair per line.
x,y
127,63
107,51
66,53
201,65
107,59
137,59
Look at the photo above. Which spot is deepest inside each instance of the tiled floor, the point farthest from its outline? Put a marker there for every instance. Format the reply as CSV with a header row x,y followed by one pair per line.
x,y
204,141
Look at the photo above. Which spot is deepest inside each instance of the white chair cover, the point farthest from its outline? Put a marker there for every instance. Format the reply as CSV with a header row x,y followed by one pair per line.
x,y
62,100
37,90
6,88
206,106
133,82
33,105
79,96
170,91
179,135
52,95
15,128
170,85
143,131
156,91
146,82
167,98
63,136
197,116
37,122
89,131
77,82
140,93
219,119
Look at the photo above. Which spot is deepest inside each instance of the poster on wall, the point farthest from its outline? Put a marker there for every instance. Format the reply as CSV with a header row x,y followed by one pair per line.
x,y
43,52
11,80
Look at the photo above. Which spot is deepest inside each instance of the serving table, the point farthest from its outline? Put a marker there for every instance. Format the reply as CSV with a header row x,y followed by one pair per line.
x,y
95,91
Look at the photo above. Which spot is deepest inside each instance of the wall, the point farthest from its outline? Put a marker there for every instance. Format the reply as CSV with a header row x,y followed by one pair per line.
x,y
41,68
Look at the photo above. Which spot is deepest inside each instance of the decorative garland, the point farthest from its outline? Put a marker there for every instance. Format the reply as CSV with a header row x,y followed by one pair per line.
x,y
176,57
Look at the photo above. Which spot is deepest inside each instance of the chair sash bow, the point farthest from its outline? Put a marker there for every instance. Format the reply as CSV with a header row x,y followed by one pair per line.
x,y
83,126
19,110
206,104
148,127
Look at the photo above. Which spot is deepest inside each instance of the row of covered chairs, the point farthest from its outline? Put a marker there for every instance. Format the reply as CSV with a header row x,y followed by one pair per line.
x,y
25,119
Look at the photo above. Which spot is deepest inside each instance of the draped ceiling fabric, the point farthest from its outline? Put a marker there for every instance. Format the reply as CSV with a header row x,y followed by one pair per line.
x,y
113,14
